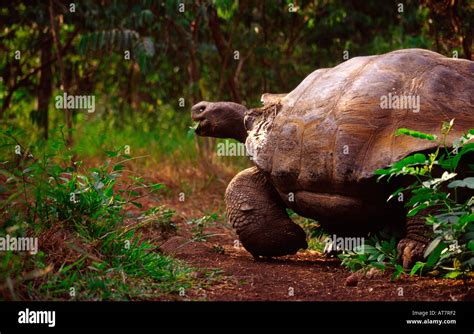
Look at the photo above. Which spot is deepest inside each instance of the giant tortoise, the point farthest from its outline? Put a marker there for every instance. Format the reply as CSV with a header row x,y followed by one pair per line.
x,y
315,149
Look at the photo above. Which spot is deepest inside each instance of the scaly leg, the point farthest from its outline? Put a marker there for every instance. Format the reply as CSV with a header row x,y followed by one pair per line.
x,y
258,214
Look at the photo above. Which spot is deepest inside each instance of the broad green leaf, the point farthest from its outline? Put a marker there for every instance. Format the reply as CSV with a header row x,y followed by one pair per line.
x,y
137,178
118,167
373,256
138,205
192,130
466,219
417,209
157,186
369,249
417,267
435,255
404,166
468,182
453,274
378,265
431,247
470,245
190,133
398,272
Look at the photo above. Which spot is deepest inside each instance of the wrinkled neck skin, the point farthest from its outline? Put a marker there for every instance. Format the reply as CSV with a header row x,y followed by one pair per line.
x,y
258,123
234,127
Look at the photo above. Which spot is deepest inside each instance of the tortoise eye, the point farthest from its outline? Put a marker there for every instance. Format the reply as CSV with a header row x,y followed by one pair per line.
x,y
201,109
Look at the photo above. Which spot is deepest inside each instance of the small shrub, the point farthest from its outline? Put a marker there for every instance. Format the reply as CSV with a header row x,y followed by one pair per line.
x,y
46,190
378,252
451,253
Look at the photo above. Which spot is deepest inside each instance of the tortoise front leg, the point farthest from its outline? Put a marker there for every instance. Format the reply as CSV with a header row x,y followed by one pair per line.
x,y
258,214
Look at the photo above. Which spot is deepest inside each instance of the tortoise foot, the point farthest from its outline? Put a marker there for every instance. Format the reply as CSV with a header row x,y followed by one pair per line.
x,y
410,251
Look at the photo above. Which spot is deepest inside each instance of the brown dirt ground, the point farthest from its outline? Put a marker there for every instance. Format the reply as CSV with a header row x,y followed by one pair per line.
x,y
308,275
305,276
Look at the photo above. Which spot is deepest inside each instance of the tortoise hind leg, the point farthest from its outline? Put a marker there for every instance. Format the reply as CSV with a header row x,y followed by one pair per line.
x,y
258,214
411,248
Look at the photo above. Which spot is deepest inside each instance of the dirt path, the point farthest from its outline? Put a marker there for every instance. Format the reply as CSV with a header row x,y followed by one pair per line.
x,y
304,276
308,275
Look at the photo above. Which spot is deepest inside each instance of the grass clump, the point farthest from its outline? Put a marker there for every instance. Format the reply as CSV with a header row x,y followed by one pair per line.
x,y
90,246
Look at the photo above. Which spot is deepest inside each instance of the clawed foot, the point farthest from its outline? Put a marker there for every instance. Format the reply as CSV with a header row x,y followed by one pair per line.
x,y
410,251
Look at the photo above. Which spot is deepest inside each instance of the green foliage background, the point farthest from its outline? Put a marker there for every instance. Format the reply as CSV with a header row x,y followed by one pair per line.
x,y
184,51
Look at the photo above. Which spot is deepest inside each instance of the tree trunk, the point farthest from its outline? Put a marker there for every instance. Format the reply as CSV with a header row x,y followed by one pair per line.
x,y
45,84
224,51
64,82
204,146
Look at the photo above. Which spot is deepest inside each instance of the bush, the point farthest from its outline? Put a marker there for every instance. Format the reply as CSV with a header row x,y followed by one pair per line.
x,y
47,190
451,253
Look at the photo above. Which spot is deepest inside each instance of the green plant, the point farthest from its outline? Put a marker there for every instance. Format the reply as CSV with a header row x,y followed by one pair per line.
x,y
218,249
161,217
436,187
198,225
378,251
45,191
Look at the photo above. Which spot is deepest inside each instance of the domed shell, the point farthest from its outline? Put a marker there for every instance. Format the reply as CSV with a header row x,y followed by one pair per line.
x,y
337,127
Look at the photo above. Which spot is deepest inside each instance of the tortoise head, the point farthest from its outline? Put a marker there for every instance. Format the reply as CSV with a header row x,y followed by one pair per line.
x,y
220,120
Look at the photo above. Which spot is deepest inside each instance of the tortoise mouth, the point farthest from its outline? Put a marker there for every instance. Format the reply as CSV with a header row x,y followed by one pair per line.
x,y
202,126
197,118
